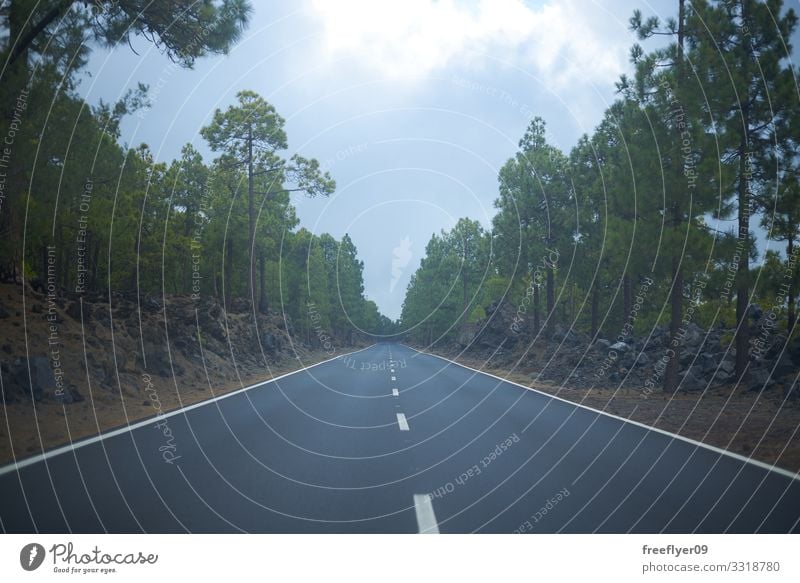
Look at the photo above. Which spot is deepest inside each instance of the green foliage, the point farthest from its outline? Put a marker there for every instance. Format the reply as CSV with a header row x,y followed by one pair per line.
x,y
448,290
703,127
182,29
119,221
578,238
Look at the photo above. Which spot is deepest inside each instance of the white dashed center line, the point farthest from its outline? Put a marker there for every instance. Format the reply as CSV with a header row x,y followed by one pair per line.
x,y
426,518
401,421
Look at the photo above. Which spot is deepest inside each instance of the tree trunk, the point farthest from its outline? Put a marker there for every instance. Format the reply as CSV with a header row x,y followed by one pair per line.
x,y
227,290
94,267
251,215
537,324
43,271
595,310
572,302
790,313
464,278
95,273
676,296
21,42
551,299
676,315
464,299
743,268
65,275
263,306
627,295
14,79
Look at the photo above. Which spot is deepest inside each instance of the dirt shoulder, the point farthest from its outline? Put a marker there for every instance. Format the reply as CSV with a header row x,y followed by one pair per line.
x,y
74,366
27,430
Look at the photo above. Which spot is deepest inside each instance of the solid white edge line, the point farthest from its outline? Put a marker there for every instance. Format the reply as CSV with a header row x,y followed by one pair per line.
x,y
426,517
715,449
395,393
402,422
18,465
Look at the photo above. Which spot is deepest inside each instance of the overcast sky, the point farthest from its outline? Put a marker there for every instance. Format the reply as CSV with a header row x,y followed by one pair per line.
x,y
413,105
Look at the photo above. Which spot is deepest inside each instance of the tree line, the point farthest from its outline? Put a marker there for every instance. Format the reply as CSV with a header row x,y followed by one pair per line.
x,y
85,214
618,234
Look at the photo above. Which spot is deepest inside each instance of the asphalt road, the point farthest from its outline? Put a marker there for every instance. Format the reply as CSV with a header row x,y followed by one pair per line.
x,y
349,446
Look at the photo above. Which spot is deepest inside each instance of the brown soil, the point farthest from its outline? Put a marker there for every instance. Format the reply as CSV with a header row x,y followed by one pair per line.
x,y
25,431
109,373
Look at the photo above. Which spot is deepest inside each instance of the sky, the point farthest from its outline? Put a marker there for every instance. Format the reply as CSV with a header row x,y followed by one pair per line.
x,y
412,105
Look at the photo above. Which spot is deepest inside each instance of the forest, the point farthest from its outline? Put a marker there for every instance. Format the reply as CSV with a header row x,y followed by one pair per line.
x,y
681,208
95,218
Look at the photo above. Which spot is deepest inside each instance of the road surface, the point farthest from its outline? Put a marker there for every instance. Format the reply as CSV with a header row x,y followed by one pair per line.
x,y
392,440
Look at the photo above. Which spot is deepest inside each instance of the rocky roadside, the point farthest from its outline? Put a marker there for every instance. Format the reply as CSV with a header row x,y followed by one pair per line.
x,y
758,418
567,356
75,366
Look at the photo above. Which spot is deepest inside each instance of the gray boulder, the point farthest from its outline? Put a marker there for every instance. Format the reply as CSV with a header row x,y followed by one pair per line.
x,y
270,342
727,366
43,382
602,345
642,360
707,362
760,379
28,377
693,336
691,382
784,366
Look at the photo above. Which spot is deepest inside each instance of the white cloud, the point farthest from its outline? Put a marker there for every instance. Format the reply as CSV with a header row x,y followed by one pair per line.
x,y
565,40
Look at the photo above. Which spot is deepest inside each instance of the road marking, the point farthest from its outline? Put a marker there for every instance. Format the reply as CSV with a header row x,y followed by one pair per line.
x,y
18,465
693,442
426,517
395,393
394,378
401,421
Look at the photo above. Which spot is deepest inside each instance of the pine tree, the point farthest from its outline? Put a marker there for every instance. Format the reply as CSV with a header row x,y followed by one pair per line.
x,y
743,49
250,135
